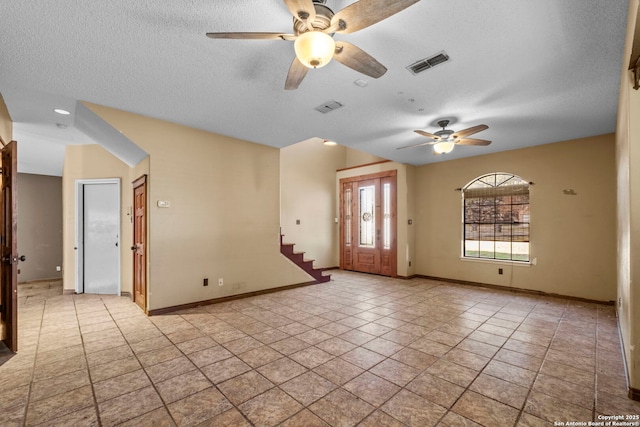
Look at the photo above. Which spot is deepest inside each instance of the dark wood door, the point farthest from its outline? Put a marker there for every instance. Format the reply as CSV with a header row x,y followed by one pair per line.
x,y
368,223
140,242
9,247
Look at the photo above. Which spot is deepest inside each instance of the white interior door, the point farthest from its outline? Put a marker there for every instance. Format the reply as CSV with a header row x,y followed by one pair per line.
x,y
101,235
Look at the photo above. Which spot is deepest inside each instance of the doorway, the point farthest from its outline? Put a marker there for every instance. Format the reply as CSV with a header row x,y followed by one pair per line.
x,y
98,236
368,224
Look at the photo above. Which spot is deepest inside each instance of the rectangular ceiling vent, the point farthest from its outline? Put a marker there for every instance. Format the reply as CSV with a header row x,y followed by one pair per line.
x,y
329,106
427,63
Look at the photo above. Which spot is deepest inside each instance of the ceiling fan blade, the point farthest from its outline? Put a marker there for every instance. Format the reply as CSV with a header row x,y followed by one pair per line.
x,y
415,145
364,13
359,60
302,10
472,141
469,131
427,134
252,36
297,71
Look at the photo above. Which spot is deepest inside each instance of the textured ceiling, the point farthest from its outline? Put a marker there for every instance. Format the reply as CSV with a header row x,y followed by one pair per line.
x,y
534,71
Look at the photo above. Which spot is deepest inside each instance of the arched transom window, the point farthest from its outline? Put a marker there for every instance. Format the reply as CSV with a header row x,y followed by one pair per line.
x,y
496,218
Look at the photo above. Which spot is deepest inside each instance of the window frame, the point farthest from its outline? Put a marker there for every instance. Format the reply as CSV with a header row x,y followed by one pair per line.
x,y
524,185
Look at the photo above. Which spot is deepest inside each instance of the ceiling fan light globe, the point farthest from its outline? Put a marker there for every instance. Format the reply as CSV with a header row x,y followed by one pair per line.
x,y
314,49
443,147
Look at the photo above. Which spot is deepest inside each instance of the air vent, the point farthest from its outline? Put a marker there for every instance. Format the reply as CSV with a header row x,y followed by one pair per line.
x,y
329,106
430,62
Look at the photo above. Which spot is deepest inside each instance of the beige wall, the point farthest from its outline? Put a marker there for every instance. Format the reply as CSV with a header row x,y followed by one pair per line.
x,y
628,214
358,158
6,125
307,193
224,219
93,162
572,237
405,206
39,226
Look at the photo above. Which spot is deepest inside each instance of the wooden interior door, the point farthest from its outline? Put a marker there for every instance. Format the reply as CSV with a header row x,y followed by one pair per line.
x,y
368,224
9,247
139,247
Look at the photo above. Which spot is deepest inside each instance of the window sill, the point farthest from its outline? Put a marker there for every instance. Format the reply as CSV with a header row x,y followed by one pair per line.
x,y
501,262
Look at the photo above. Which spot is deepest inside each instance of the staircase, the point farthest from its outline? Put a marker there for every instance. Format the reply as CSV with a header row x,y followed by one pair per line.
x,y
286,249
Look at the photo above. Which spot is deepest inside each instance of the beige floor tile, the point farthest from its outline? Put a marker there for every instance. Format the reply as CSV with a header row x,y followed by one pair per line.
x,y
260,356
336,346
396,372
552,409
485,411
413,410
308,387
380,419
311,357
289,345
244,387
436,390
510,373
341,408
282,370
500,390
270,408
157,418
225,369
578,395
199,407
452,372
371,388
338,371
210,355
56,385
304,418
181,386
229,418
58,405
363,358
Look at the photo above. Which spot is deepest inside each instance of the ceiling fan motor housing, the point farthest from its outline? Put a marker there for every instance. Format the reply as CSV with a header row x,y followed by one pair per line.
x,y
321,21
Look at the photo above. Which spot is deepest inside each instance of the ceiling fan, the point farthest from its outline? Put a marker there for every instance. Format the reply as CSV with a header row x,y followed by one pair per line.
x,y
444,140
313,27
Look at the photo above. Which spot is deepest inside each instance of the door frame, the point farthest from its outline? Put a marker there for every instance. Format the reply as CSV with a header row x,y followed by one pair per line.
x,y
141,182
9,269
79,226
392,173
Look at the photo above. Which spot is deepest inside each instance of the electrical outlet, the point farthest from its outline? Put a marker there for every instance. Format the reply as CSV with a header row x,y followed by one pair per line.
x,y
58,268
409,263
205,282
499,271
220,282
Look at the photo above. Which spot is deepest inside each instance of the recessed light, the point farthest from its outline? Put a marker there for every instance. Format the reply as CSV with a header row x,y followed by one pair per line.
x,y
61,111
328,142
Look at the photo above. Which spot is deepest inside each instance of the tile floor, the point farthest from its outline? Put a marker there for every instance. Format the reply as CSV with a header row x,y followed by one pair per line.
x,y
359,350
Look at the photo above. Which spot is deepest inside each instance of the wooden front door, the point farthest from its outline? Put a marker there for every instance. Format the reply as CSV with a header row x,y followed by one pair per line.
x,y
9,247
368,224
139,247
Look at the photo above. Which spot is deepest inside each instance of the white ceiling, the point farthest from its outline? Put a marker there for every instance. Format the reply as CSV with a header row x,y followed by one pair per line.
x,y
534,71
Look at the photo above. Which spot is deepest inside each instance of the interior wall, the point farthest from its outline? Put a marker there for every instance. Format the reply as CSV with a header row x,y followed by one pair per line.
x,y
224,215
6,125
40,226
358,158
94,162
572,237
628,213
307,195
405,209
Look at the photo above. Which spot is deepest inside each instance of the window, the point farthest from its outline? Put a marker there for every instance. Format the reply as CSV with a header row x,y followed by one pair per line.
x,y
496,218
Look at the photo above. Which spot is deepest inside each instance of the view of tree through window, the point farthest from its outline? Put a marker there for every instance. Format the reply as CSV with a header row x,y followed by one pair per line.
x,y
496,218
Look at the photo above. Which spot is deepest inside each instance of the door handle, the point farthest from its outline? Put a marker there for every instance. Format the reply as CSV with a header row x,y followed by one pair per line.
x,y
22,258
134,247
